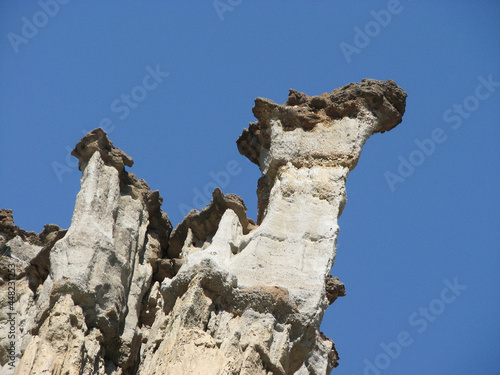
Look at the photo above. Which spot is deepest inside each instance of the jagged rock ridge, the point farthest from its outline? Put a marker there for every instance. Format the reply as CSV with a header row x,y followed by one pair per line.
x,y
120,292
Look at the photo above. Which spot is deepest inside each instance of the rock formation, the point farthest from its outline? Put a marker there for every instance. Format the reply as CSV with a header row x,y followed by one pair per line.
x,y
119,292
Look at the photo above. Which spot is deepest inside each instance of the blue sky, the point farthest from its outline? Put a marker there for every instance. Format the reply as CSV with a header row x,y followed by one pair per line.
x,y
418,247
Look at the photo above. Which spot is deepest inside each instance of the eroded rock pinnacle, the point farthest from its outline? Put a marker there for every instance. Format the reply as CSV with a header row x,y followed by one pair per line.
x,y
119,292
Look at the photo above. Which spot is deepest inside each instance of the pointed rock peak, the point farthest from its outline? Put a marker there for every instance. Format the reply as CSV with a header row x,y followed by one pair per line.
x,y
204,224
97,140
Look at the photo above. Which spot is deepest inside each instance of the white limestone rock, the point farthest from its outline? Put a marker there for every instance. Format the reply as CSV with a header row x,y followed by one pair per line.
x,y
119,294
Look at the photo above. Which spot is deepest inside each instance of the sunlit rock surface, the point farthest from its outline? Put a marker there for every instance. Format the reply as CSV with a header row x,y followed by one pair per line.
x,y
119,292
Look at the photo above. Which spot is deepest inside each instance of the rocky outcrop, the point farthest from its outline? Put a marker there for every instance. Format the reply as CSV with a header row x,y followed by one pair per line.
x,y
119,292
327,131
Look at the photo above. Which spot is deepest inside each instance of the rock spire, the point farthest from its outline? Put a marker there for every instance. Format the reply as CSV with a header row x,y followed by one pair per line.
x,y
120,292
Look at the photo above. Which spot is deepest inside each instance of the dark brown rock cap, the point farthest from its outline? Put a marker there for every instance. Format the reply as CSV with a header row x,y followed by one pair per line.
x,y
97,140
383,99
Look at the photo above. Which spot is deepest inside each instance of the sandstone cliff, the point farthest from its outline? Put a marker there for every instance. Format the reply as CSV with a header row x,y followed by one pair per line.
x,y
120,292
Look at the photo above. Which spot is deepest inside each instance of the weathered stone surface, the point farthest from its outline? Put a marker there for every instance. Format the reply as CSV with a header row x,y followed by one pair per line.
x,y
305,153
384,100
8,230
14,319
24,265
327,131
334,288
64,344
97,140
104,262
119,292
202,225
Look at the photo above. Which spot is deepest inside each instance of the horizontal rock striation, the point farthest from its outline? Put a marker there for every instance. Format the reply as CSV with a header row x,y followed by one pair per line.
x,y
120,292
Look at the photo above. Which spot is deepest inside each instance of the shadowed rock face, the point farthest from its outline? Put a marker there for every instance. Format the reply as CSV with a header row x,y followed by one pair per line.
x,y
119,292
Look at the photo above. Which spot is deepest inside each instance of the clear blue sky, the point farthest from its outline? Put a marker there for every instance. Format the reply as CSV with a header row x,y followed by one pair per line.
x,y
437,219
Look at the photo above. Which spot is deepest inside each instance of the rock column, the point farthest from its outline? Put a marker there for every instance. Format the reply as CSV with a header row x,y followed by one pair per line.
x,y
119,293
250,299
